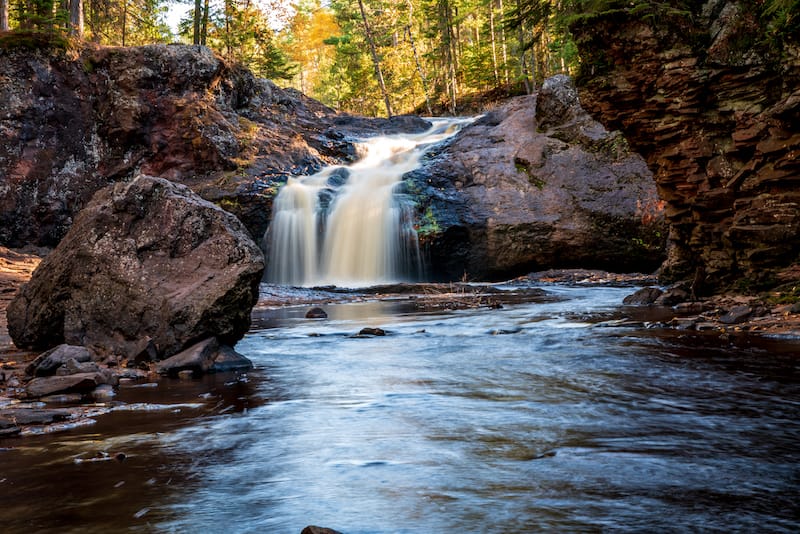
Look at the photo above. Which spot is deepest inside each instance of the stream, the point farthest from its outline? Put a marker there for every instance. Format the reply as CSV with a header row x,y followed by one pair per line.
x,y
540,416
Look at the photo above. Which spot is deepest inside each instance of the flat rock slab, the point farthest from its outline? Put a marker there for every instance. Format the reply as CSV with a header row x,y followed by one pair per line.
x,y
25,416
77,383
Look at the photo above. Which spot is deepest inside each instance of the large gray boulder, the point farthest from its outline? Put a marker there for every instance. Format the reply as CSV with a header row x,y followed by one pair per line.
x,y
147,269
538,184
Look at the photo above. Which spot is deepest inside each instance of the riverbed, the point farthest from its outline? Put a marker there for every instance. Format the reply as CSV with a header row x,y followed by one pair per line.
x,y
550,415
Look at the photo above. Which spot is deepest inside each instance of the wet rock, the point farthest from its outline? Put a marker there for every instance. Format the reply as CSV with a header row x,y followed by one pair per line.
x,y
64,398
146,260
48,363
369,331
33,416
316,313
78,383
72,367
228,360
207,356
103,393
736,315
672,296
533,185
197,359
311,529
644,296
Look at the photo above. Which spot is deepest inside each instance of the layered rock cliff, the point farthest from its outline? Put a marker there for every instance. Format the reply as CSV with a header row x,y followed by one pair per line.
x,y
711,99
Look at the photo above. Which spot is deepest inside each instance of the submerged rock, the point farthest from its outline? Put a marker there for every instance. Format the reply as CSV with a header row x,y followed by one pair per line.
x,y
538,184
146,261
316,313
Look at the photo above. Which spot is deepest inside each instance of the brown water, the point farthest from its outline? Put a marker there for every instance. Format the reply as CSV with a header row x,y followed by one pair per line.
x,y
536,417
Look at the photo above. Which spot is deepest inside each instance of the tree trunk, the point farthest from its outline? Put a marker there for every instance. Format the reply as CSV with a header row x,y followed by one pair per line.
x,y
76,18
421,73
196,22
504,46
375,60
204,28
523,71
124,21
3,15
494,44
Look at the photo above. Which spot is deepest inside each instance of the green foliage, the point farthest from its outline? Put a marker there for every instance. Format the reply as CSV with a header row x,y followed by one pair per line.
x,y
428,225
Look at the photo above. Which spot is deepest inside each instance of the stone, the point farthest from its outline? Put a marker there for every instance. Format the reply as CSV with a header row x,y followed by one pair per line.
x,y
672,296
736,315
198,359
72,367
316,313
311,529
537,184
50,385
228,360
644,296
207,356
146,260
369,331
34,416
47,363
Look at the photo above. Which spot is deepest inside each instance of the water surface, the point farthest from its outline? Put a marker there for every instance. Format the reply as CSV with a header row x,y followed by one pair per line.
x,y
535,417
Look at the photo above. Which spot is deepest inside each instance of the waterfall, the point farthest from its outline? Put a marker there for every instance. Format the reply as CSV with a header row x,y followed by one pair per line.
x,y
349,225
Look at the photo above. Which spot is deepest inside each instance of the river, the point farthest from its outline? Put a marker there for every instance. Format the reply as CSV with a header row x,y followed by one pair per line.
x,y
540,416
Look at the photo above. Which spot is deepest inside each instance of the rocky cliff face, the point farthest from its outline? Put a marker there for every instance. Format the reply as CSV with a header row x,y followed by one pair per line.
x,y
715,111
71,123
537,184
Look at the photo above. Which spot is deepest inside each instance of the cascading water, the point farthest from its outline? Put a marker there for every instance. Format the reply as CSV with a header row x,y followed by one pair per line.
x,y
349,225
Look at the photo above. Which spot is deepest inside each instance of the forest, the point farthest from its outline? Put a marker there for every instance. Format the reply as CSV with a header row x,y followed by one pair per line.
x,y
373,57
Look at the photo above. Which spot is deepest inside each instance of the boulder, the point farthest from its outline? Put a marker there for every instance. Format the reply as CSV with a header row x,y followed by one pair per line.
x,y
537,184
147,266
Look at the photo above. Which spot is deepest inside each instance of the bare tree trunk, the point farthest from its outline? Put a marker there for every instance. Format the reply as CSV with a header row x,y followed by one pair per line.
x,y
124,21
523,71
196,22
3,15
376,62
421,73
76,18
494,44
504,46
204,27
